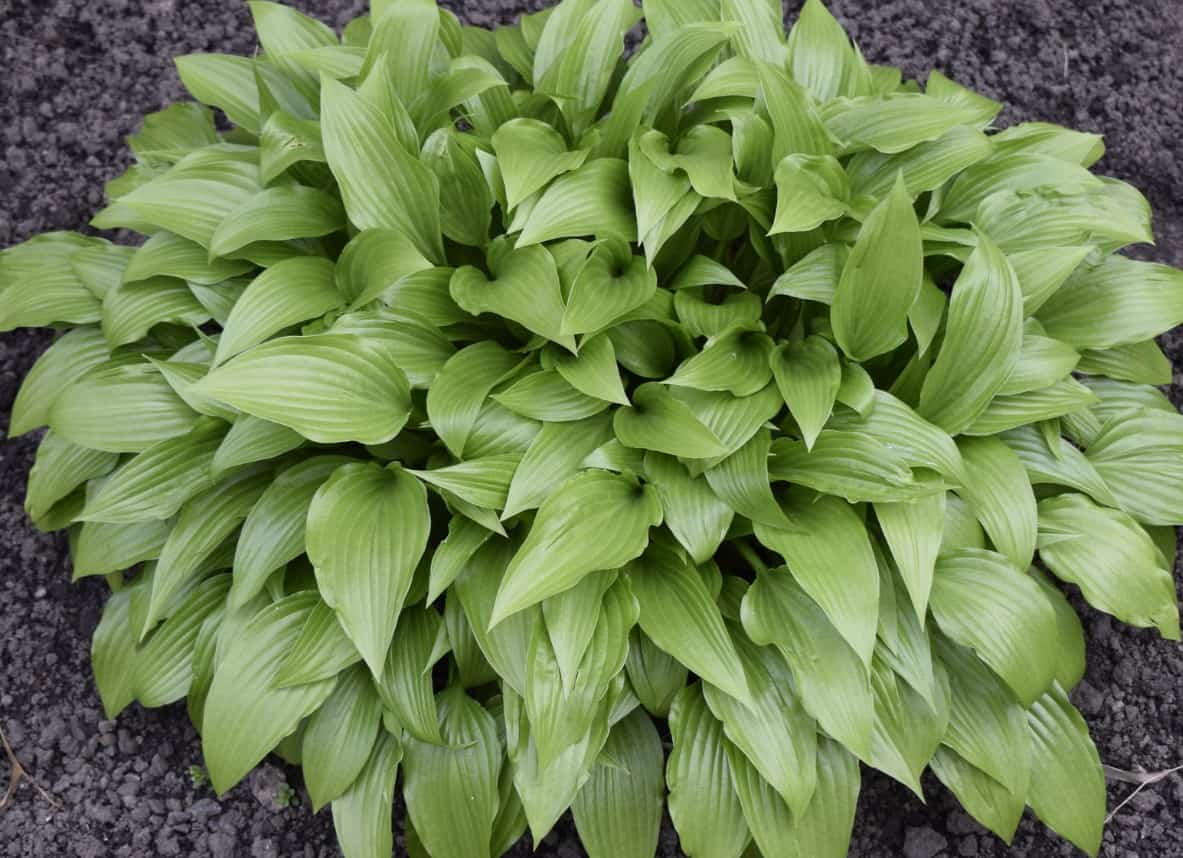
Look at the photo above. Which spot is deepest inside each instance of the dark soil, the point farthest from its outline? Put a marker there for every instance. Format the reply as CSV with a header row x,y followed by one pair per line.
x,y
75,77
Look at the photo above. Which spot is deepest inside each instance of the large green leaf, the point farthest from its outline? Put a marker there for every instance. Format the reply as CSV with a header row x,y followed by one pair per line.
x,y
1111,558
981,345
362,815
680,616
592,200
594,520
999,491
454,401
530,154
59,366
610,284
405,684
451,789
1138,458
658,421
383,185
618,810
340,736
60,467
880,280
328,387
367,529
245,715
695,515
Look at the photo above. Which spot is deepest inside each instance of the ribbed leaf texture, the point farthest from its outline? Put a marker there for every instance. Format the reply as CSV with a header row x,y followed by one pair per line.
x,y
494,406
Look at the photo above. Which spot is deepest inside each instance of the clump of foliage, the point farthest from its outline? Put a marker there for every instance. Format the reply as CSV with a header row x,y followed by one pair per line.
x,y
484,399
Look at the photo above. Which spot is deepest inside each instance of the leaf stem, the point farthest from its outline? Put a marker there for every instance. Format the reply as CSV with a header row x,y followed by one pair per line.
x,y
748,553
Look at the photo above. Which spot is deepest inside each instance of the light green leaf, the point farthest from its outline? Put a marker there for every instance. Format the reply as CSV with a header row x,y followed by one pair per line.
x,y
245,716
320,652
1142,363
611,284
451,789
828,553
679,615
1043,270
59,468
120,408
593,371
64,362
367,529
273,533
101,548
1060,464
524,287
819,53
796,126
405,684
1067,785
893,122
593,200
1042,362
833,681
1008,412
483,481
594,520
383,185
548,397
454,401
658,421
113,654
155,483
223,81
340,736
555,454
281,213
810,190
808,375
999,492
618,810
908,729
530,154
982,797
703,805
742,482
981,345
736,360
253,439
696,517
925,167
328,387
1138,457
362,816
913,531
131,310
1111,558
880,280
982,601
287,293
654,675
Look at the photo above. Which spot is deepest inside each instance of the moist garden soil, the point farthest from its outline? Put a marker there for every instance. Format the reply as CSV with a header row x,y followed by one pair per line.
x,y
75,78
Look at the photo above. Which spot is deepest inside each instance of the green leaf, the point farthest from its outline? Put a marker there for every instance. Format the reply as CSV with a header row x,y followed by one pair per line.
x,y
100,548
253,439
680,616
982,341
893,122
736,360
856,467
1142,363
742,482
982,797
383,185
483,482
833,681
999,492
618,810
880,280
594,520
810,190
703,805
1067,785
223,81
593,200
796,126
913,531
113,652
828,552
775,733
298,382
696,517
808,375
548,397
1042,362
273,532
1043,270
120,408
1060,464
925,167
610,284
455,399
895,424
340,736
554,454
287,140
819,53
451,789
908,728
405,683
1137,456
155,483
59,468
367,529
64,362
281,213
362,817
593,371
205,521
658,421
245,716
1116,302
131,310
654,675
322,650
1008,412
286,294
1111,558
530,154
982,601
524,287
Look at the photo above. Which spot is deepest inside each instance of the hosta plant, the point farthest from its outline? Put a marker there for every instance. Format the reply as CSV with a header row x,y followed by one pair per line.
x,y
538,426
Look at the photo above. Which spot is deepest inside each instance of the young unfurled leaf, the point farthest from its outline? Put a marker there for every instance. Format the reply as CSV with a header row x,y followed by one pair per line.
x,y
880,280
595,520
367,529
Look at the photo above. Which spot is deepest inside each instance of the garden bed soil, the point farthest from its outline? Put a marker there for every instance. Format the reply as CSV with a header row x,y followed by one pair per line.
x,y
76,76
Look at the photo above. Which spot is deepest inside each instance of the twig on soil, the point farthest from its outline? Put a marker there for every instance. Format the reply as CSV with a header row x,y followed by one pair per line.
x,y
1142,779
19,774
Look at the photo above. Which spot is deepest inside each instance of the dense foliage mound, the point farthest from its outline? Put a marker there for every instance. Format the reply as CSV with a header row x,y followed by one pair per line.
x,y
483,397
